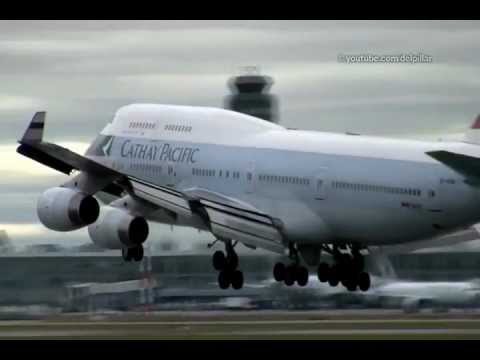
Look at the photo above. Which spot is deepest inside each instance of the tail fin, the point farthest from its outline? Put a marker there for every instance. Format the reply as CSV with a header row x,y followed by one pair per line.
x,y
34,132
472,135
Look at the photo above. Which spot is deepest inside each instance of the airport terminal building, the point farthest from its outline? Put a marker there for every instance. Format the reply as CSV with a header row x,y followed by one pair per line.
x,y
58,278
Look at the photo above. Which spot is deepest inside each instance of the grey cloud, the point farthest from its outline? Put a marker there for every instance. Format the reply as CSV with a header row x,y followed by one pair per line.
x,y
82,71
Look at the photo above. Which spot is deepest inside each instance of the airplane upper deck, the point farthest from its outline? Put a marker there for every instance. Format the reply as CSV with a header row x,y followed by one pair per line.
x,y
217,126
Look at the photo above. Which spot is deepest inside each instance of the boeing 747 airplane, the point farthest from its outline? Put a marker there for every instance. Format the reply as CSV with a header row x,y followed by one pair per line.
x,y
300,193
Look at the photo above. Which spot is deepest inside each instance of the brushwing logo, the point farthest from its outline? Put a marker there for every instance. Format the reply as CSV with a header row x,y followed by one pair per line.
x,y
107,147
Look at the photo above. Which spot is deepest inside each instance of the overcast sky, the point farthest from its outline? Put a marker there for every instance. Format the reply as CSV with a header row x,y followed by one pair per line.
x,y
80,72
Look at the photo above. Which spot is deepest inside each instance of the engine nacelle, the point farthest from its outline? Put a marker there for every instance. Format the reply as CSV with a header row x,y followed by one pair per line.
x,y
116,229
65,209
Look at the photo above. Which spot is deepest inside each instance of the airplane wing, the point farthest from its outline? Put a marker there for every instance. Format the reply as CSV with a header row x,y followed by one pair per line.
x,y
233,219
225,217
55,156
64,160
461,163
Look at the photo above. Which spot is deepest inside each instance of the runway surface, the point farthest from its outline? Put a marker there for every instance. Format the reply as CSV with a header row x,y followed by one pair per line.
x,y
359,324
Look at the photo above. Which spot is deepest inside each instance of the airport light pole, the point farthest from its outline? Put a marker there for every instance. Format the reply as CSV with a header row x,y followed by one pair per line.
x,y
146,294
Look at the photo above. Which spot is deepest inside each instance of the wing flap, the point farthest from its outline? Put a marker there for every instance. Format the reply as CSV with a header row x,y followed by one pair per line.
x,y
227,218
169,199
248,230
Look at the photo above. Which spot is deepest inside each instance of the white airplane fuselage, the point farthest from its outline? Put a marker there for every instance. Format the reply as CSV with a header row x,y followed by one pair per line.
x,y
323,187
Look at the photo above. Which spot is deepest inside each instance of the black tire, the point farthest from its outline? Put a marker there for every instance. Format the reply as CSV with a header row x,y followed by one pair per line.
x,y
333,278
351,284
358,263
237,279
289,276
364,281
137,253
345,267
224,279
323,272
302,275
219,260
232,261
279,271
346,259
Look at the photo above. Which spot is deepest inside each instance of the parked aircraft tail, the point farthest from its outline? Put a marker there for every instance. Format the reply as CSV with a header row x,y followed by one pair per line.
x,y
472,136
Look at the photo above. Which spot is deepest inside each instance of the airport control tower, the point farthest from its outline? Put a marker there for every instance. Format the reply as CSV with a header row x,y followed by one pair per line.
x,y
250,95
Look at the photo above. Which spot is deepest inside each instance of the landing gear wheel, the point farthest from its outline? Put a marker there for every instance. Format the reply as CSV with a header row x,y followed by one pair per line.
x,y
351,284
323,272
219,260
364,281
345,268
137,253
302,275
126,254
223,279
289,278
333,277
358,263
232,260
279,272
237,279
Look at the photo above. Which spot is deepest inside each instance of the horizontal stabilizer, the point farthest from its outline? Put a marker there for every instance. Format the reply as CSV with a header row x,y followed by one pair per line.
x,y
468,166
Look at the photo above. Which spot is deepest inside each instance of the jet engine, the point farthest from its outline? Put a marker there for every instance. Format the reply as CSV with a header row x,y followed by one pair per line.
x,y
117,229
65,209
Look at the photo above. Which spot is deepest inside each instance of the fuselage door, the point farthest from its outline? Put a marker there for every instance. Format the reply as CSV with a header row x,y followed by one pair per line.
x,y
433,194
321,184
435,202
250,177
170,173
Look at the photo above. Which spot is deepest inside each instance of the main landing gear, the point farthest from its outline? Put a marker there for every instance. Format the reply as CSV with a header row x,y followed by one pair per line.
x,y
133,253
348,269
227,265
292,273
